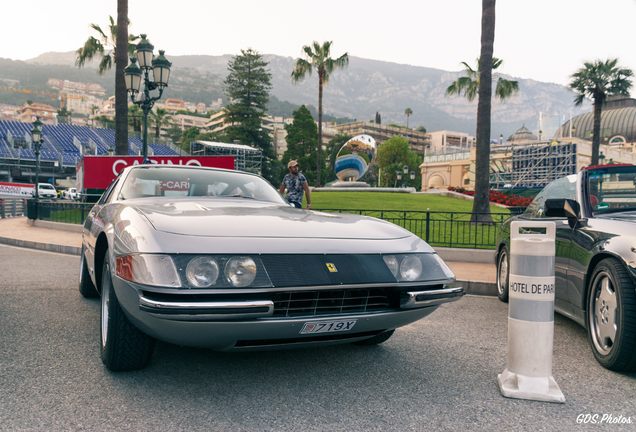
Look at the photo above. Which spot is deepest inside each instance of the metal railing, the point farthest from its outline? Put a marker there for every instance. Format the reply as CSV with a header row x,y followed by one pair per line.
x,y
10,207
441,229
72,212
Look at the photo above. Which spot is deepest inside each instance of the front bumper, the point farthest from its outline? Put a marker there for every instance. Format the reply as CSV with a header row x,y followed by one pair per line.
x,y
254,323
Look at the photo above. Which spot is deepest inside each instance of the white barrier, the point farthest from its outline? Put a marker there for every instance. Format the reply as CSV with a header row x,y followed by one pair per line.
x,y
528,374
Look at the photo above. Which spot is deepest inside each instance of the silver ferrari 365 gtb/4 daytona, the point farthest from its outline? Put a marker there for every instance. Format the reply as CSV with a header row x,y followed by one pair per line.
x,y
216,258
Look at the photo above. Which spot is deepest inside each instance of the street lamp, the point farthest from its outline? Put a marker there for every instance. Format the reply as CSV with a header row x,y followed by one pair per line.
x,y
36,138
398,177
134,73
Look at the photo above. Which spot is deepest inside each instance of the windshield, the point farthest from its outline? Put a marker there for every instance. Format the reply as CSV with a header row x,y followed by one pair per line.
x,y
46,186
612,189
182,182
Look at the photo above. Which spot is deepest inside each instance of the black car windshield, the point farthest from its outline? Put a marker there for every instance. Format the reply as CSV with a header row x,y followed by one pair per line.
x,y
184,182
612,189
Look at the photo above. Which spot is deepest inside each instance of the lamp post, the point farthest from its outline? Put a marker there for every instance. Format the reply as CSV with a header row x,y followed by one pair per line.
x,y
412,176
36,138
398,177
134,73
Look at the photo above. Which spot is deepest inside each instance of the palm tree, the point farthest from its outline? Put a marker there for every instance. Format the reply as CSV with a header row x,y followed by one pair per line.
x,y
408,113
318,57
597,81
481,202
468,85
108,51
159,116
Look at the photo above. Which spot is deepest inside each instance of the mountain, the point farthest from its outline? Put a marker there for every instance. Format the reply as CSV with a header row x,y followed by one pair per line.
x,y
357,92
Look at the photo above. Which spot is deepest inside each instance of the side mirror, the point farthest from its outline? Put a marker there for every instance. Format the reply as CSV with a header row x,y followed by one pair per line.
x,y
563,208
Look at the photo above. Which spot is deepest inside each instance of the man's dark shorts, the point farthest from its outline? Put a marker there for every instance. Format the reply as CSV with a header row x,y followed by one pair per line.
x,y
296,204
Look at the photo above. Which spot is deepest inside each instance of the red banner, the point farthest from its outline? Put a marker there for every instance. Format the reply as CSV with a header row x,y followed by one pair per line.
x,y
97,172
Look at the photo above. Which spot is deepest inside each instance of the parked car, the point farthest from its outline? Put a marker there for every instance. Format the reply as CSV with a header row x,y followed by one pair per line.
x,y
595,263
46,190
70,194
216,258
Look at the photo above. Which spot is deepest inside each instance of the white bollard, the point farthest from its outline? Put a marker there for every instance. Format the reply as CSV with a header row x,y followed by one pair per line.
x,y
528,374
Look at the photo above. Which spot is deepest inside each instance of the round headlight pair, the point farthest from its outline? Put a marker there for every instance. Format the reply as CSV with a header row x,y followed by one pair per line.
x,y
407,268
203,272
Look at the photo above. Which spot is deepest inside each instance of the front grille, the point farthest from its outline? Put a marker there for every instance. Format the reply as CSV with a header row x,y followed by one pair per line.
x,y
329,302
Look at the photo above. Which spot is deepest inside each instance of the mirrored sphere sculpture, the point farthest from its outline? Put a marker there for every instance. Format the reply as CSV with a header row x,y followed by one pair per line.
x,y
354,158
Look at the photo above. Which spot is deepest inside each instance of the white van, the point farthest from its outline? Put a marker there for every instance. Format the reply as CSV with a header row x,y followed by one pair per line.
x,y
46,190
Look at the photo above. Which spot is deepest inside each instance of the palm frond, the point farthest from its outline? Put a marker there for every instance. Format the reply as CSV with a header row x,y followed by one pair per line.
x,y
506,88
105,64
301,69
92,47
99,30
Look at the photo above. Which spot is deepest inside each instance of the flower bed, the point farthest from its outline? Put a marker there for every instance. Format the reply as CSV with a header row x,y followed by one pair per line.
x,y
510,200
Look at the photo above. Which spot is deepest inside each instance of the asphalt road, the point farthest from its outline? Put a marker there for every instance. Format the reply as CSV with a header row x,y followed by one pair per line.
x,y
437,374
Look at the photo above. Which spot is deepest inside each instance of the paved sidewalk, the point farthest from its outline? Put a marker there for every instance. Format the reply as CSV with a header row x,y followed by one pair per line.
x,y
477,278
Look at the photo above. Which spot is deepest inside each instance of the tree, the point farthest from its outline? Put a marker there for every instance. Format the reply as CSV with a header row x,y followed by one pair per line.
x,y
597,81
159,117
134,118
481,202
468,85
247,86
392,156
378,118
408,113
318,57
106,48
301,142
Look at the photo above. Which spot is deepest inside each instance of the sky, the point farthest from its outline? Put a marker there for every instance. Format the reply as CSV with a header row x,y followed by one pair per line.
x,y
544,40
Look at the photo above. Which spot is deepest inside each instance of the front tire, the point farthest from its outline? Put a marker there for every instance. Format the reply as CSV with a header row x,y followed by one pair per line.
x,y
377,339
611,316
503,274
86,287
123,346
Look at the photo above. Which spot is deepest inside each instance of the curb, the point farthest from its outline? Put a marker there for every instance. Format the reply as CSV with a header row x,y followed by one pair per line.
x,y
69,250
479,288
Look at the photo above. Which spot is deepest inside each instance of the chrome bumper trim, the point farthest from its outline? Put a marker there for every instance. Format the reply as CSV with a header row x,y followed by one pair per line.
x,y
431,297
207,310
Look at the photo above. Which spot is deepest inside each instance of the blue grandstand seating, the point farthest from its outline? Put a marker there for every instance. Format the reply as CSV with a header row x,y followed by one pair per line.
x,y
59,142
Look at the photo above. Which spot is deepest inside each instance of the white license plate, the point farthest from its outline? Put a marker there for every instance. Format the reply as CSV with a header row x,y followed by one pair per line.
x,y
327,326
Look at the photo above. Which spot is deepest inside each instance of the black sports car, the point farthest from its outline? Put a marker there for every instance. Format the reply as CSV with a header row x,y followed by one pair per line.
x,y
595,267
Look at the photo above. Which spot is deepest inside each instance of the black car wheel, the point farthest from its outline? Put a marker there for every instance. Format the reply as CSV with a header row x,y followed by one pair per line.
x,y
503,274
377,339
86,287
611,316
123,346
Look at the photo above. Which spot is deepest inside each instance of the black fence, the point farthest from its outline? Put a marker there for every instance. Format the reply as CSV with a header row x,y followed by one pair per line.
x,y
73,212
442,229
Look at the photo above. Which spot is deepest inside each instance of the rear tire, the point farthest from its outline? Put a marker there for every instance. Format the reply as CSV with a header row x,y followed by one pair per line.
x,y
611,316
377,339
123,346
503,274
86,287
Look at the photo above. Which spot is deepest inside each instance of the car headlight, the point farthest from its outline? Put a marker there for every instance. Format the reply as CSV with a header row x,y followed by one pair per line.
x,y
202,272
417,267
147,269
240,271
410,268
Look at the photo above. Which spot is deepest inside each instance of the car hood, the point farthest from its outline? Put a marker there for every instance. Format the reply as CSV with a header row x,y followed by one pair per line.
x,y
236,217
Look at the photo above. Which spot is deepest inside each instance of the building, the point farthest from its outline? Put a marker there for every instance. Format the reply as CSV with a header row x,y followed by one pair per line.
x,y
418,141
28,112
80,103
444,140
185,121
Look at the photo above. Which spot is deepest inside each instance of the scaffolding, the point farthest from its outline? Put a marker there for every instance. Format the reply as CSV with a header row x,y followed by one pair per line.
x,y
535,165
246,158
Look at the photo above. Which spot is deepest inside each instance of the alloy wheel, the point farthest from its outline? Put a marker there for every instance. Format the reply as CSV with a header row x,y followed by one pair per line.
x,y
603,313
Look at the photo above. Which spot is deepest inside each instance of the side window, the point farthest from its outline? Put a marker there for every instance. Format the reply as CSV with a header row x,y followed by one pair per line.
x,y
107,194
563,188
